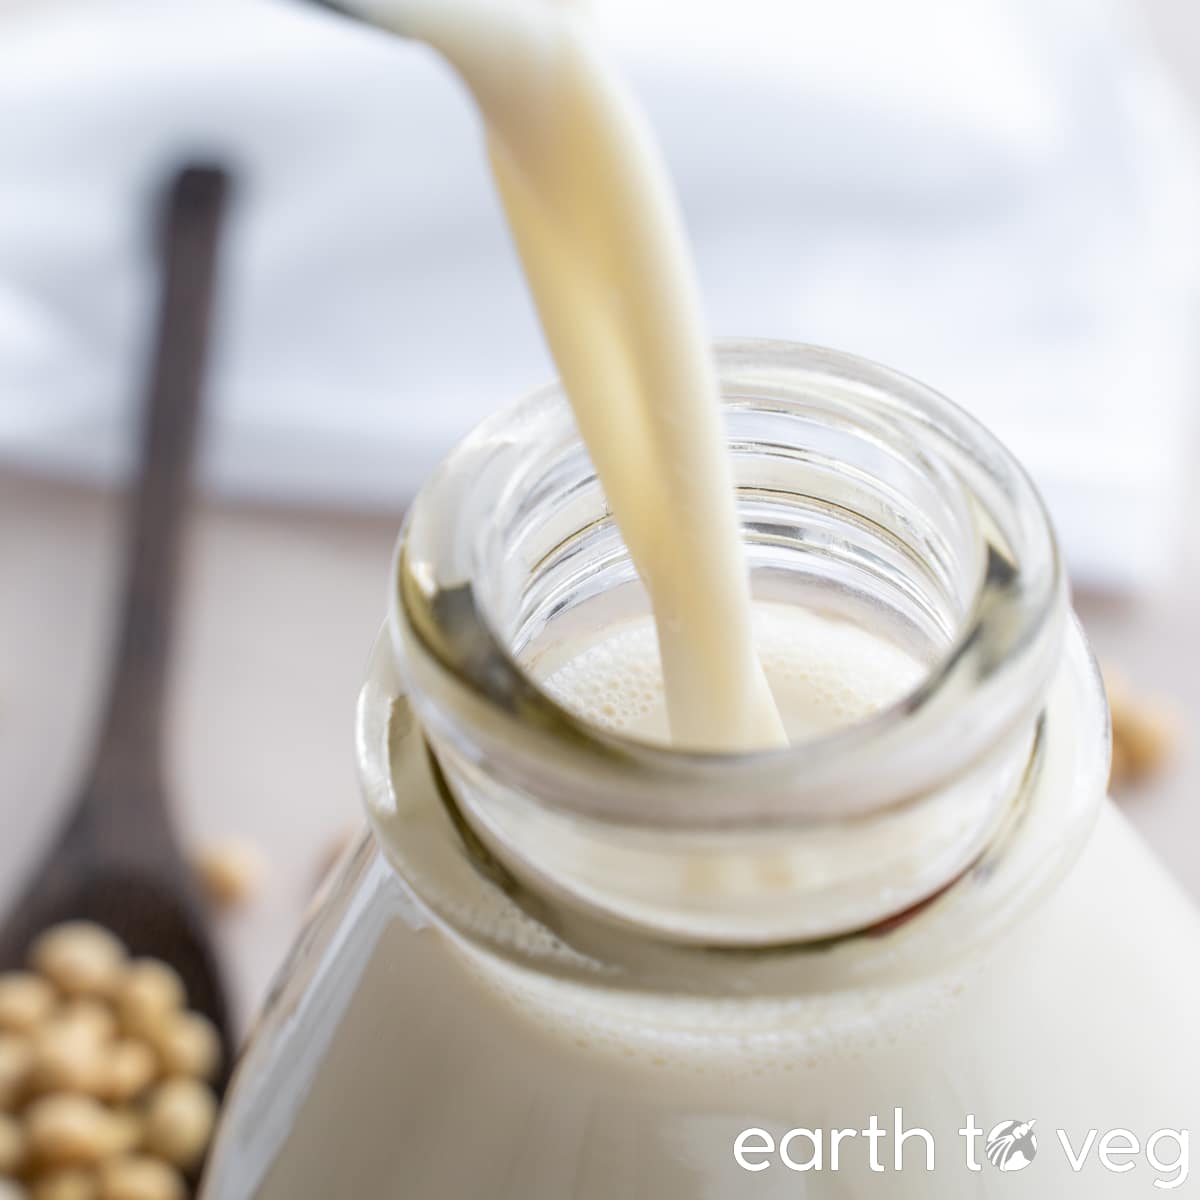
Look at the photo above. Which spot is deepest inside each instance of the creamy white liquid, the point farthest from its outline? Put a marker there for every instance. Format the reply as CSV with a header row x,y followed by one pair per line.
x,y
598,230
413,1065
823,672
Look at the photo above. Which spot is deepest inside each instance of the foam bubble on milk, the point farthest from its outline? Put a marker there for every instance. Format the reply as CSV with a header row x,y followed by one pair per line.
x,y
824,672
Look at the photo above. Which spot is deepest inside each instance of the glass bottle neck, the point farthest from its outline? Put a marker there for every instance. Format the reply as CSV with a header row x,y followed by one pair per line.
x,y
863,495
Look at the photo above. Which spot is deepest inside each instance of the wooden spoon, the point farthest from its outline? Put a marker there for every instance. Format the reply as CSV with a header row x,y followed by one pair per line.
x,y
117,861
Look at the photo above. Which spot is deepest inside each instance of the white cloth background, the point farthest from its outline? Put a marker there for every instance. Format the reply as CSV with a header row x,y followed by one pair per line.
x,y
996,196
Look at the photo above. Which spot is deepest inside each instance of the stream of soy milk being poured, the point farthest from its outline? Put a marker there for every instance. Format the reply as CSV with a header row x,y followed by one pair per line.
x,y
599,234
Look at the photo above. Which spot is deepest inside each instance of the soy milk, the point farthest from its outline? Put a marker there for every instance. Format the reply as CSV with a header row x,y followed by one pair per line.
x,y
602,245
411,1065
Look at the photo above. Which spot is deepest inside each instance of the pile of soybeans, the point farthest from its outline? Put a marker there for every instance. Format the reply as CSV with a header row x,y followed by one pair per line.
x,y
104,1074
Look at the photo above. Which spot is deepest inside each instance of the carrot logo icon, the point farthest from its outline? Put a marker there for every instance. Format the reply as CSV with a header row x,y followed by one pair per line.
x,y
1011,1145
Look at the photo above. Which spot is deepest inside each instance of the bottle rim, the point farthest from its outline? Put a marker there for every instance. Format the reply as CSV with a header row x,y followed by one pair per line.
x,y
985,686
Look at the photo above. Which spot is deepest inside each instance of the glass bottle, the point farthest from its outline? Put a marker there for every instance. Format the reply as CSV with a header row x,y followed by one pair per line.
x,y
567,965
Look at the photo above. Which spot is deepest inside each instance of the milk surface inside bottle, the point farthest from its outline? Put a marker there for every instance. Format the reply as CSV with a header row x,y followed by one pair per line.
x,y
588,951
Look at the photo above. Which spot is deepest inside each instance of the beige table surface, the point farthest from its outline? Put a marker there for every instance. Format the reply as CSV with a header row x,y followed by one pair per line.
x,y
280,611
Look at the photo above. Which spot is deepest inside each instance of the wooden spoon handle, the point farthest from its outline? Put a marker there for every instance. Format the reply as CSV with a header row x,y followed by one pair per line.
x,y
130,735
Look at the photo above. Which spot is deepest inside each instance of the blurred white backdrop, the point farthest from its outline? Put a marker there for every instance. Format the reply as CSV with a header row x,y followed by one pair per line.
x,y
997,196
